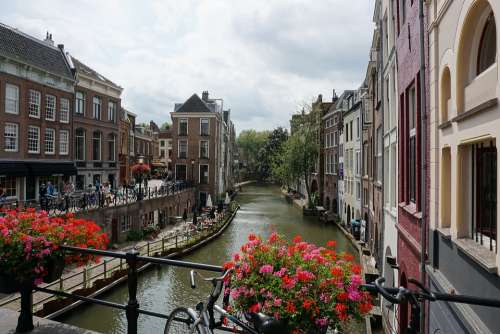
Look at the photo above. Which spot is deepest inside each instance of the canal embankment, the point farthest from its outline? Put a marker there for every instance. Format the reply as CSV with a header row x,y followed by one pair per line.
x,y
101,278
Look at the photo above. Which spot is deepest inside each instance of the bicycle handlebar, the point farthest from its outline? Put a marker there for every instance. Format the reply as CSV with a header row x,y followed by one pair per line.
x,y
207,279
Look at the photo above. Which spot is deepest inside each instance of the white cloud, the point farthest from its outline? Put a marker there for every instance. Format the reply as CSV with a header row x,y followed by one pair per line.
x,y
263,57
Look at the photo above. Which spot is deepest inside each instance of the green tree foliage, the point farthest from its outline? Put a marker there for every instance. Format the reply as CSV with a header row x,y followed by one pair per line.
x,y
165,126
269,151
249,144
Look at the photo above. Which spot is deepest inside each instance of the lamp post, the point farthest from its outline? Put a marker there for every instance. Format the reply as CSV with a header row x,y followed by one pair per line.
x,y
140,161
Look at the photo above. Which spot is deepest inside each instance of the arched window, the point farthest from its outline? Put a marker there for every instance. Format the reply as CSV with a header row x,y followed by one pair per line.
x,y
80,144
487,46
111,147
96,146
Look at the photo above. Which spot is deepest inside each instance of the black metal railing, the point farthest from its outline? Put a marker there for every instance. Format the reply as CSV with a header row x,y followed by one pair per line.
x,y
88,200
132,309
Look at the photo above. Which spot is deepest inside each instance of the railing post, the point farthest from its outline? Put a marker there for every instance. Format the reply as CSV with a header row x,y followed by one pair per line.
x,y
121,264
104,268
132,309
148,248
61,283
84,283
25,320
163,244
176,240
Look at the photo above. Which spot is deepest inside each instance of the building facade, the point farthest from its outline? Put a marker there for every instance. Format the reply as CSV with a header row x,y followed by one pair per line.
x,y
331,157
165,150
36,97
464,125
123,147
96,127
352,157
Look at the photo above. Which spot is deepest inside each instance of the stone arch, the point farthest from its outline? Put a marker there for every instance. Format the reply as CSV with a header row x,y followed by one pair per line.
x,y
445,94
473,25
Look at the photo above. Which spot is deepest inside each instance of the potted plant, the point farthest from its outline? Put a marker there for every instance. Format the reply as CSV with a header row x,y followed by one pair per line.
x,y
30,243
140,171
309,288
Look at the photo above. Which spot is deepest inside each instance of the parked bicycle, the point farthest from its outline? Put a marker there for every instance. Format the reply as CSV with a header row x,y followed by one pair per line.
x,y
201,320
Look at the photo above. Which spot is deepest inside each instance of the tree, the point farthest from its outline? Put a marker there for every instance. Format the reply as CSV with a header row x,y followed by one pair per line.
x,y
298,157
267,153
249,144
165,126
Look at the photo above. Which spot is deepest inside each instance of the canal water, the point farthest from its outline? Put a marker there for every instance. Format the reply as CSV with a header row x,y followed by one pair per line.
x,y
263,209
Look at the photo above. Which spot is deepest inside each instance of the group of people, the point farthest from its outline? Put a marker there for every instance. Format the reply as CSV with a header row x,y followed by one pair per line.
x,y
49,191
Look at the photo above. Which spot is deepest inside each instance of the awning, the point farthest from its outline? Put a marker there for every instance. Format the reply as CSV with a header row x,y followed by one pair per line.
x,y
13,168
51,168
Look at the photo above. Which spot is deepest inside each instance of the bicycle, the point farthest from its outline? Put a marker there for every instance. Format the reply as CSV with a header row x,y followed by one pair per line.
x,y
415,297
201,319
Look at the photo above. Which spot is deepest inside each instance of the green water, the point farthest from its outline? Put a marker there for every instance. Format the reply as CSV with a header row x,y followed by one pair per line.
x,y
263,208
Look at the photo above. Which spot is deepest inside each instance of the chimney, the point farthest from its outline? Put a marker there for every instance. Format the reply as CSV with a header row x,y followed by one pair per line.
x,y
61,47
334,96
204,96
48,39
320,98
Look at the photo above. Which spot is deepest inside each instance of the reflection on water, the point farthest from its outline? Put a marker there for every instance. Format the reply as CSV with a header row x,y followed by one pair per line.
x,y
263,209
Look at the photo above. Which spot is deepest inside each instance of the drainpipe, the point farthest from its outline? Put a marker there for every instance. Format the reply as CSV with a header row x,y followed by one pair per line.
x,y
381,67
423,117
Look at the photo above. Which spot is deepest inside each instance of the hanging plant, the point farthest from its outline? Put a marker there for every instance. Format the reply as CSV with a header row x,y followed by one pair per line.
x,y
139,170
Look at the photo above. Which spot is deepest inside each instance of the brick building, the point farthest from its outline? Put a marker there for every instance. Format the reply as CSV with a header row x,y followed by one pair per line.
x,y
412,198
165,149
96,127
196,147
36,97
124,125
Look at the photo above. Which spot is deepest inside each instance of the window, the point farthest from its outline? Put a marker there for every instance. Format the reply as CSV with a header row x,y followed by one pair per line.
x,y
11,135
125,223
131,144
358,162
64,114
111,111
9,184
80,103
380,148
334,164
162,143
34,103
50,107
204,149
96,146
64,142
347,132
350,129
402,8
183,127
412,142
111,147
203,174
80,144
204,126
183,149
96,107
487,46
358,190
357,128
180,172
33,139
11,99
50,141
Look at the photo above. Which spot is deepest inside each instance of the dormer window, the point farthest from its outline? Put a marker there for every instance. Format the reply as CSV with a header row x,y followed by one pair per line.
x,y
487,46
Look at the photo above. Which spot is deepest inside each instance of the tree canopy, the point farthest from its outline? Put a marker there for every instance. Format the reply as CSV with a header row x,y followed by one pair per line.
x,y
249,144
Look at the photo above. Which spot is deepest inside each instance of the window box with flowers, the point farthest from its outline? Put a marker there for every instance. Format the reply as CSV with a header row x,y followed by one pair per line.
x,y
30,243
310,289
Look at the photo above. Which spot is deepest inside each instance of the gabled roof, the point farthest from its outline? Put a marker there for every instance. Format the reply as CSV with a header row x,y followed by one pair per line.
x,y
27,49
194,104
84,69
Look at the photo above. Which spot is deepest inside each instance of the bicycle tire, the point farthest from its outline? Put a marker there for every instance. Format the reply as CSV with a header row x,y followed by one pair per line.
x,y
179,322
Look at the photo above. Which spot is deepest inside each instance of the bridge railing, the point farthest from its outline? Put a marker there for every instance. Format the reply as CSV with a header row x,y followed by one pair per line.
x,y
132,259
89,200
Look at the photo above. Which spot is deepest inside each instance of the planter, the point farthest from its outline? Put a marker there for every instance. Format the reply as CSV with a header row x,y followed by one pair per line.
x,y
8,284
55,268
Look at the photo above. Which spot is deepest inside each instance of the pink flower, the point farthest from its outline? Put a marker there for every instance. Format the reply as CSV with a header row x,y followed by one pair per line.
x,y
277,302
322,322
266,269
280,272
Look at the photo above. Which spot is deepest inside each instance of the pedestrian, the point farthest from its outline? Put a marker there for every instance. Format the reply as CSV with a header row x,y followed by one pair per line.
x,y
42,194
50,189
3,195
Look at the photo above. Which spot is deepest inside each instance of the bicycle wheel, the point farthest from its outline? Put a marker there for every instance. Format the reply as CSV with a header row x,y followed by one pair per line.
x,y
180,321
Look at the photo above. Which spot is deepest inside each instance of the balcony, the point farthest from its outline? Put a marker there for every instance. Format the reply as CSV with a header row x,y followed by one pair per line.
x,y
481,89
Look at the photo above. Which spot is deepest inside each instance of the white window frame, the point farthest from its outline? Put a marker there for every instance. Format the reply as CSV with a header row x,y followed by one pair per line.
x,y
37,129
64,110
112,111
34,101
14,126
183,120
78,101
208,149
96,107
208,173
208,123
179,149
11,100
100,146
63,144
50,106
84,149
47,144
112,138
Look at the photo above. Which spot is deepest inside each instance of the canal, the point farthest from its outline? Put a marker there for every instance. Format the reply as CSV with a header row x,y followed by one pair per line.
x,y
263,209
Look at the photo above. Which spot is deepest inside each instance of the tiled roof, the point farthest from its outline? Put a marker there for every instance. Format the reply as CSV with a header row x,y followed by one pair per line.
x,y
194,104
84,69
24,48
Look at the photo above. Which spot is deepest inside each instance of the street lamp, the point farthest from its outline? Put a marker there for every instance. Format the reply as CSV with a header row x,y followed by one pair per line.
x,y
139,170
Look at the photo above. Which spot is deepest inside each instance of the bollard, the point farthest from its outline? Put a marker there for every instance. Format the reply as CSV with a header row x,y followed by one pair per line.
x,y
132,308
25,320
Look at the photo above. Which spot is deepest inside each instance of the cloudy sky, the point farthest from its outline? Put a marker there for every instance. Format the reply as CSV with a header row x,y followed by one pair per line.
x,y
263,57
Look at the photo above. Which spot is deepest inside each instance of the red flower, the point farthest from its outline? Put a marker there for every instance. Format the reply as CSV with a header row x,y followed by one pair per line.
x,y
307,303
342,297
290,307
228,265
340,308
252,237
255,308
337,271
348,257
356,269
331,243
364,308
297,239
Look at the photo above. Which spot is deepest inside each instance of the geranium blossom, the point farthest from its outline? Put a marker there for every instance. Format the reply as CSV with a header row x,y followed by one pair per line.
x,y
313,288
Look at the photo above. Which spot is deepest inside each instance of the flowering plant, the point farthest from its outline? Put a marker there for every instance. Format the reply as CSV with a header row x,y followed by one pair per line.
x,y
310,288
29,240
140,169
